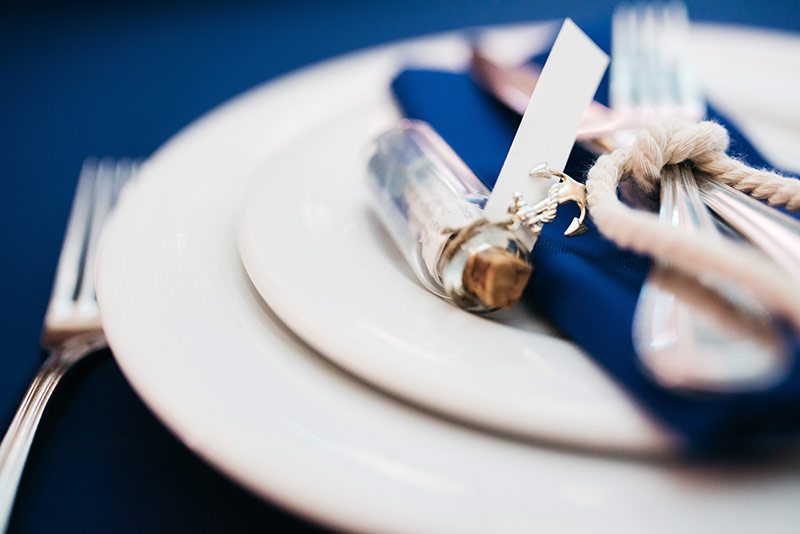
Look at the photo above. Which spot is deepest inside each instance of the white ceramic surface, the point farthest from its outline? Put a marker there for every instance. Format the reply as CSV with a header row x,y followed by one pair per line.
x,y
322,261
200,347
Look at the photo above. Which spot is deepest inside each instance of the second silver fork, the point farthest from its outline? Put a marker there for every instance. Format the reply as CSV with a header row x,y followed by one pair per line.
x,y
682,345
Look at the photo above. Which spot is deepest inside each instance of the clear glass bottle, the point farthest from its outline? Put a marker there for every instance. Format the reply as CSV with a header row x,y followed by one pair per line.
x,y
432,205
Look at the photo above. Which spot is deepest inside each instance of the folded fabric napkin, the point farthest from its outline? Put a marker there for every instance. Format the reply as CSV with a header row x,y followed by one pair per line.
x,y
586,285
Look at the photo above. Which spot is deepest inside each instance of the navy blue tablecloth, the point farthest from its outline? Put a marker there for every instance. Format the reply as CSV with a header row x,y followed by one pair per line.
x,y
84,78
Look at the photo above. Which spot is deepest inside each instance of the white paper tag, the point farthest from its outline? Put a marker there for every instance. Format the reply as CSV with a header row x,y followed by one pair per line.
x,y
547,132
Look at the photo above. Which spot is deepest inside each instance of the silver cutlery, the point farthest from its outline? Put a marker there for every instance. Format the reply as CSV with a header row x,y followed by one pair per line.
x,y
513,86
681,345
701,338
72,328
768,227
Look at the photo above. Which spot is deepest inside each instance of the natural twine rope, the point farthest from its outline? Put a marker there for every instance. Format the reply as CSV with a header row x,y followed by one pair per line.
x,y
704,144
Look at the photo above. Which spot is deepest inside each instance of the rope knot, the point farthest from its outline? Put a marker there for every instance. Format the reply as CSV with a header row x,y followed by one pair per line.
x,y
672,141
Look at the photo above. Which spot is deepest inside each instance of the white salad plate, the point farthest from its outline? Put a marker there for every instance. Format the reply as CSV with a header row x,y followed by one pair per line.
x,y
208,356
321,260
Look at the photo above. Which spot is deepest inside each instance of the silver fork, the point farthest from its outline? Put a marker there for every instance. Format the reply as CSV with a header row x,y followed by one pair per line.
x,y
72,326
682,345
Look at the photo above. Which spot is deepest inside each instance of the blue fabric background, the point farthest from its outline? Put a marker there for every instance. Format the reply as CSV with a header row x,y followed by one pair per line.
x,y
84,78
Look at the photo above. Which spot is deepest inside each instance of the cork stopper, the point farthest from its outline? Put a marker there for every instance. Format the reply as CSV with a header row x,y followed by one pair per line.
x,y
496,276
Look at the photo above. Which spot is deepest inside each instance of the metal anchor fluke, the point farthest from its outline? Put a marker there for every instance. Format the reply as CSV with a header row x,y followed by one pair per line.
x,y
543,212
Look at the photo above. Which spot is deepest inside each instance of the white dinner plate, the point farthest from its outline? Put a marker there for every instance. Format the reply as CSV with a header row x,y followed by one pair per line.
x,y
198,344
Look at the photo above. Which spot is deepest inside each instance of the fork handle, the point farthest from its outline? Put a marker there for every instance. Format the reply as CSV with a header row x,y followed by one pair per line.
x,y
17,441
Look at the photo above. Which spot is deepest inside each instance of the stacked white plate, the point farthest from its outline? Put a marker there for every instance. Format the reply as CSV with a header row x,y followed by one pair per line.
x,y
383,408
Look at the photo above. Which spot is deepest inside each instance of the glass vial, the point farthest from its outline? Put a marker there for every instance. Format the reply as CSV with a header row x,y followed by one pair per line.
x,y
432,206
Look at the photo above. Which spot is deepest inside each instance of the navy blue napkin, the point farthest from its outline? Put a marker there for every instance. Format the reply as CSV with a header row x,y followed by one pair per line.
x,y
586,285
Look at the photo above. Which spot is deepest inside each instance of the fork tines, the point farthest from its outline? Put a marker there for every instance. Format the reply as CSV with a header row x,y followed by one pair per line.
x,y
73,306
652,73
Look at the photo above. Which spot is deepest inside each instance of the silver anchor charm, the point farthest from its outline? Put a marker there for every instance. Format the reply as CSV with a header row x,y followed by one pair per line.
x,y
536,216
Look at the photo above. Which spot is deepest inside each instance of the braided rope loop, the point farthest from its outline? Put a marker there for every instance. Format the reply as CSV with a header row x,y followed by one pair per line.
x,y
670,142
